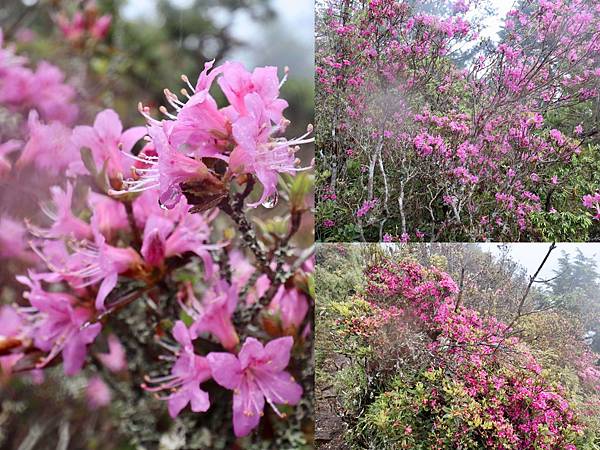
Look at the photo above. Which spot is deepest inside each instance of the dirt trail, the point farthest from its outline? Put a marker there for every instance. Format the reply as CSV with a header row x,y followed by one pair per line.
x,y
330,428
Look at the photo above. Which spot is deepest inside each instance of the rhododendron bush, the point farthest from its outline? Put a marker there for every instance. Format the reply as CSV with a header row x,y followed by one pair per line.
x,y
419,369
170,267
431,131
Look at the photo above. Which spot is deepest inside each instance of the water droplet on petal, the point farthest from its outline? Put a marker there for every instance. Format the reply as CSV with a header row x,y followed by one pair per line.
x,y
271,201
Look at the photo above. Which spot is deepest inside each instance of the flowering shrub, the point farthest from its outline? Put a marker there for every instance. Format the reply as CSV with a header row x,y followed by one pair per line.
x,y
439,375
149,242
491,151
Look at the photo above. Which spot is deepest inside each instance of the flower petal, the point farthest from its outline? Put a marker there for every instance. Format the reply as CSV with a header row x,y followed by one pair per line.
x,y
108,126
199,399
280,388
107,285
177,402
278,353
130,137
248,406
225,369
252,350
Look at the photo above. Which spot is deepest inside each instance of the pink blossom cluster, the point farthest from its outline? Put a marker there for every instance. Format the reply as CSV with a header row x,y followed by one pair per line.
x,y
593,202
90,258
40,109
367,206
526,410
378,63
257,374
103,246
194,141
83,24
43,90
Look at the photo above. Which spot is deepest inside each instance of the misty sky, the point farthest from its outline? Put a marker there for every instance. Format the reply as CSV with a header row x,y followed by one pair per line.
x,y
493,24
531,255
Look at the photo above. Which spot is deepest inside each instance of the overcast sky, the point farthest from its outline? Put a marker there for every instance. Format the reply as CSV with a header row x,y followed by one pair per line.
x,y
531,255
493,24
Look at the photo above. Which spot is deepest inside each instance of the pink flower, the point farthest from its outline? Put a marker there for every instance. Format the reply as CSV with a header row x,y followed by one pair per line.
x,y
13,240
367,206
200,125
84,24
94,263
257,153
65,223
167,235
167,170
98,393
328,223
42,90
50,96
242,269
557,136
537,120
237,83
593,202
101,26
387,237
188,372
48,148
155,234
213,314
246,128
291,306
460,7
103,263
108,215
72,29
116,359
11,326
108,143
57,325
7,148
256,374
259,289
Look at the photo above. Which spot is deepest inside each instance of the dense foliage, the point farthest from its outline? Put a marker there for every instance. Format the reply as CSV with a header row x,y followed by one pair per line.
x,y
417,368
429,132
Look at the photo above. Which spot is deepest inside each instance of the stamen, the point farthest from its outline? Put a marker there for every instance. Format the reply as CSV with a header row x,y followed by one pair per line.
x,y
286,71
171,348
164,110
186,80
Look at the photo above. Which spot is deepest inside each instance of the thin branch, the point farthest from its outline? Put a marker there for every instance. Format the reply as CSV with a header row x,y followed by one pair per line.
x,y
135,232
531,281
460,289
